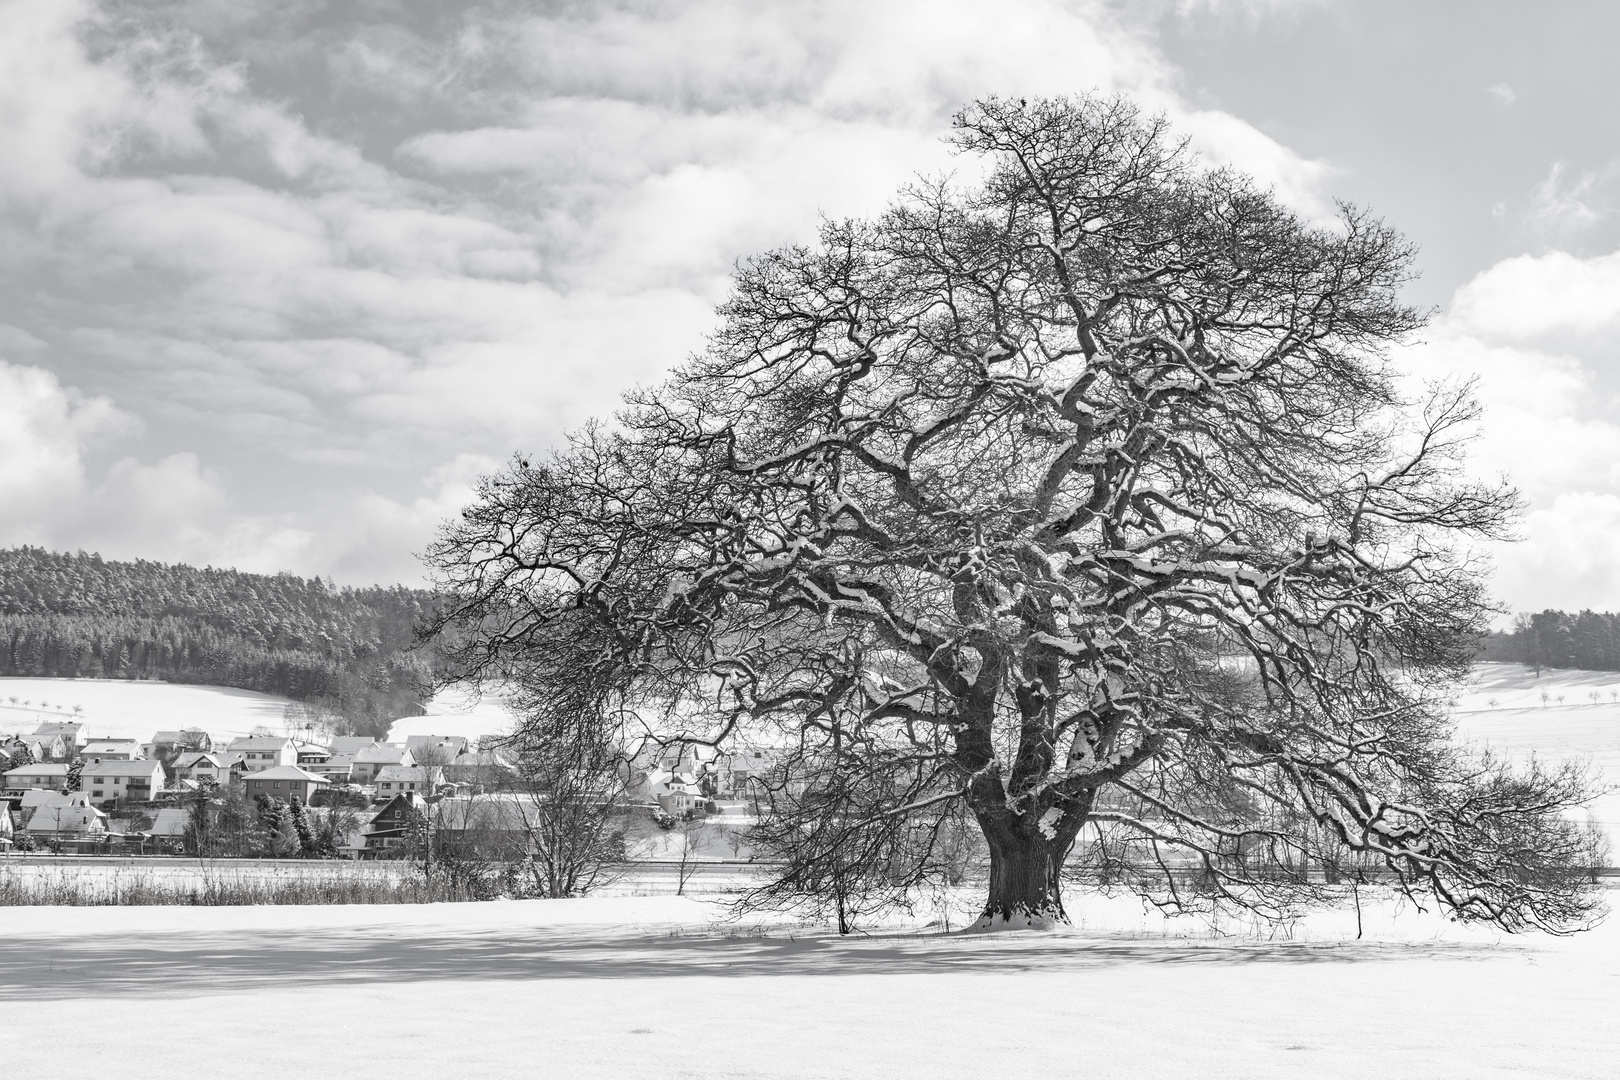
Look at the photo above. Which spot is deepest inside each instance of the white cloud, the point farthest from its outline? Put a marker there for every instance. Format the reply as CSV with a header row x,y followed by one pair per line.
x,y
464,238
1535,296
1503,93
1526,328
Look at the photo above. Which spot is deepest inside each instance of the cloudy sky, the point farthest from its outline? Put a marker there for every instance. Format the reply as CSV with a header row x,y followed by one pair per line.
x,y
279,278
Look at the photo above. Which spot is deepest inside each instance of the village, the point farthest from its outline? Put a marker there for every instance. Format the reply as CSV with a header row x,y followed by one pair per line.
x,y
64,790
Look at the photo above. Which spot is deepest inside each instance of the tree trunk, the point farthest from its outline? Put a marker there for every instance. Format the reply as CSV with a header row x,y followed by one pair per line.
x,y
1024,868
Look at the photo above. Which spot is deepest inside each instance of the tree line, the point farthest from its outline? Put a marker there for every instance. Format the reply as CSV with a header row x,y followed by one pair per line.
x,y
347,650
1589,640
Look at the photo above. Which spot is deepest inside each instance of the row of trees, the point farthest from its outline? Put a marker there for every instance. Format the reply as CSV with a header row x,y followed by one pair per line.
x,y
1080,501
1589,640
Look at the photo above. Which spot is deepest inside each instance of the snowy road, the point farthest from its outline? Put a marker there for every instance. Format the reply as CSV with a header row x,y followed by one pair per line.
x,y
662,986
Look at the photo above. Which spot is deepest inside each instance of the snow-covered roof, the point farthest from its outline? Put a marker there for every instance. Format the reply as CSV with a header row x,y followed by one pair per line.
x,y
394,774
285,772
258,742
380,754
192,759
138,767
350,744
40,768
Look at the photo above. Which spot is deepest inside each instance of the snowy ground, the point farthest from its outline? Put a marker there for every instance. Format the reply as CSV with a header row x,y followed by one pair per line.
x,y
123,709
665,986
1503,708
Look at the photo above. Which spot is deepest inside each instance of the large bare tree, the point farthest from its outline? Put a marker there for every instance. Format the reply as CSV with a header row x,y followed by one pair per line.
x,y
1082,495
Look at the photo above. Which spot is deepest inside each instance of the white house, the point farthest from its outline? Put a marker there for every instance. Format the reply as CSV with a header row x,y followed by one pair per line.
x,y
283,782
262,752
66,818
439,749
195,766
97,750
49,775
112,782
371,760
72,732
393,779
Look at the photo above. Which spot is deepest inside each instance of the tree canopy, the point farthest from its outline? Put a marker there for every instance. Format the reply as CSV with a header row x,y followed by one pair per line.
x,y
1080,504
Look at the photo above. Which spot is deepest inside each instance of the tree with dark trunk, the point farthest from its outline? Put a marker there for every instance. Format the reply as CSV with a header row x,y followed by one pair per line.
x,y
1083,502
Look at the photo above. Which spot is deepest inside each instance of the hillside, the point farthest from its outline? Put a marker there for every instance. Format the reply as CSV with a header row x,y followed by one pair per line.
x,y
1580,718
345,650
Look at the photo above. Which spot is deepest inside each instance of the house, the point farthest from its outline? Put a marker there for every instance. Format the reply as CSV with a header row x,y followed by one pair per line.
x,y
390,831
392,779
371,759
202,766
435,749
18,743
484,767
98,750
42,774
72,733
113,782
63,818
337,769
283,782
501,824
349,744
311,754
262,752
188,740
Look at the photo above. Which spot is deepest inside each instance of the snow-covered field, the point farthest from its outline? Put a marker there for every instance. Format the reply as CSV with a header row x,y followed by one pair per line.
x,y
666,987
121,709
1504,709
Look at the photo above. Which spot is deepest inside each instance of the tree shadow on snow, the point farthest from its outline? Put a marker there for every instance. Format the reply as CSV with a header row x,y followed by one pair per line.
x,y
208,963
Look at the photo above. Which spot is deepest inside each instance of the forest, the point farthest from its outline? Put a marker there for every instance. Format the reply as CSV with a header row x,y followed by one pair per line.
x,y
1589,640
346,650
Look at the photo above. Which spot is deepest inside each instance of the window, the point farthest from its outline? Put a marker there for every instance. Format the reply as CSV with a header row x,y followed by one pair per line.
x,y
278,784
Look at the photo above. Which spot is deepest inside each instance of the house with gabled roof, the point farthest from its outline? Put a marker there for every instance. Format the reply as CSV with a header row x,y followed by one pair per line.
x,y
283,782
260,752
64,817
203,766
109,783
371,759
393,779
97,750
437,748
187,740
48,775
73,733
389,832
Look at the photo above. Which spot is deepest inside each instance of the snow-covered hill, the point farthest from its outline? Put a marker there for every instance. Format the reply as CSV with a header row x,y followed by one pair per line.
x,y
120,709
1557,714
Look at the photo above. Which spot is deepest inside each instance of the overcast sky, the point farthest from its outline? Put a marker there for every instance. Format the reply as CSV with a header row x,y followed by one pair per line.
x,y
279,278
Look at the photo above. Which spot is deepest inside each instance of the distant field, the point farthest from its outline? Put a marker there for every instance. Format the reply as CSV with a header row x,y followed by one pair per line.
x,y
1519,724
121,709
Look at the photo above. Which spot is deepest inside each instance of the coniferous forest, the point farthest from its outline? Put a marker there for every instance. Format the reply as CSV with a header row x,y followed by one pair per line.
x,y
345,650
1589,640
